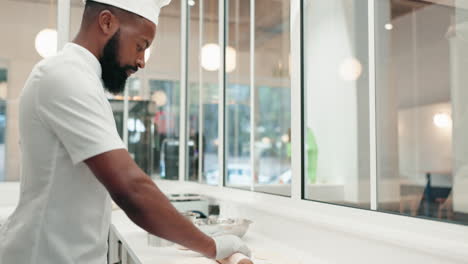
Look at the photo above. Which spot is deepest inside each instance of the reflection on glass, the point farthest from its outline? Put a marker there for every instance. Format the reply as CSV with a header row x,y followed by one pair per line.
x,y
193,113
139,132
336,135
237,110
273,97
159,88
210,133
421,109
203,99
18,55
209,94
165,96
138,124
3,115
193,90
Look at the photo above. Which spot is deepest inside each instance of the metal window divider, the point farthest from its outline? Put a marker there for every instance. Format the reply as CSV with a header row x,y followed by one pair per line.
x,y
183,91
201,127
372,106
253,96
297,100
221,86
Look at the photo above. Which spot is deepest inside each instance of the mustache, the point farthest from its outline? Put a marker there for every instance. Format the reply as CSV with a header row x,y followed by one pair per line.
x,y
128,67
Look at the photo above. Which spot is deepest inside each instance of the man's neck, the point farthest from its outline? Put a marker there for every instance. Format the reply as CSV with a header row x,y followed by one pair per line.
x,y
89,43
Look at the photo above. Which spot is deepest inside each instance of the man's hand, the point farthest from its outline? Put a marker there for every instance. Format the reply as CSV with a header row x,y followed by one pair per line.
x,y
226,245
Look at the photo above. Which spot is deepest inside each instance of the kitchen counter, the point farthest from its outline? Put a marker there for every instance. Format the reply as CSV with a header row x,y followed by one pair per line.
x,y
134,241
136,249
293,231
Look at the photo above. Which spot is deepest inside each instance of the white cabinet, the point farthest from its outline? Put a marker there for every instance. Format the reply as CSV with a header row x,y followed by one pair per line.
x,y
118,253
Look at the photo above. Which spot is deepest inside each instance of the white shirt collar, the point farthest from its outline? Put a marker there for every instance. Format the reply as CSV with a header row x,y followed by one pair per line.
x,y
87,56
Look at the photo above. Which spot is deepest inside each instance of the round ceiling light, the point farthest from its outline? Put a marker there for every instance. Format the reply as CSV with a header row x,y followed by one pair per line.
x,y
350,69
159,98
46,42
442,120
210,57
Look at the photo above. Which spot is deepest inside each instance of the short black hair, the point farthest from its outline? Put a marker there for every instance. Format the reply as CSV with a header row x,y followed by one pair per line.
x,y
93,8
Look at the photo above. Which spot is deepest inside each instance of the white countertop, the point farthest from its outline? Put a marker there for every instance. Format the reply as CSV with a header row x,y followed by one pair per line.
x,y
264,250
298,232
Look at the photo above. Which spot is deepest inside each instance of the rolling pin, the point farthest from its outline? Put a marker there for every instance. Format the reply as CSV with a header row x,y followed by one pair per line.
x,y
236,258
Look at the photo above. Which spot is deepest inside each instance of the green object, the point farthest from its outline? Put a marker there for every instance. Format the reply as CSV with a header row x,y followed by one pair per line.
x,y
3,75
312,156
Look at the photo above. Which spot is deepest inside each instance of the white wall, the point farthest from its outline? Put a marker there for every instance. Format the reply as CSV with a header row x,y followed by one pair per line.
x,y
424,147
413,71
19,24
420,56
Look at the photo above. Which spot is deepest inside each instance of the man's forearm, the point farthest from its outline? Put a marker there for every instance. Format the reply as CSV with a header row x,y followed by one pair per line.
x,y
150,209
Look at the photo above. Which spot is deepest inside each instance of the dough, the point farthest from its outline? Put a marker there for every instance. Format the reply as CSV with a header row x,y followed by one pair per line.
x,y
236,259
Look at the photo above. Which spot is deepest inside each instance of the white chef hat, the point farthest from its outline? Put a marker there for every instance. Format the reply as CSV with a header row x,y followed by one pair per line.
x,y
148,9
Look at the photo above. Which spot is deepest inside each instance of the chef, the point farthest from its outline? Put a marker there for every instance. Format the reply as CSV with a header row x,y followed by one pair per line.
x,y
73,160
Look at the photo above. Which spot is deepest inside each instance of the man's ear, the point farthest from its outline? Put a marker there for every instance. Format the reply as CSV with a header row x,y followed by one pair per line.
x,y
108,23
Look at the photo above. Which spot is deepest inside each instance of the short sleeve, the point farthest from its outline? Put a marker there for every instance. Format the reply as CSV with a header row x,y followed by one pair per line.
x,y
70,103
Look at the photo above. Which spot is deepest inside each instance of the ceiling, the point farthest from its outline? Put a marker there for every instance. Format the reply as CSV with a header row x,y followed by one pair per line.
x,y
403,7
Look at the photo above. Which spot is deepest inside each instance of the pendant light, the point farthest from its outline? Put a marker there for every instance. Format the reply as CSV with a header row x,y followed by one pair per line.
x,y
46,40
210,55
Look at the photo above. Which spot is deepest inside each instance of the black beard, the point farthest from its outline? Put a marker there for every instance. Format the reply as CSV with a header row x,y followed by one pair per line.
x,y
114,76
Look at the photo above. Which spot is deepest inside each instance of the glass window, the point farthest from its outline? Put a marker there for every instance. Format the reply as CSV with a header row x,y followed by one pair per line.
x,y
193,124
336,135
258,113
165,95
194,36
421,50
203,91
154,101
209,91
28,30
3,114
272,115
210,165
237,94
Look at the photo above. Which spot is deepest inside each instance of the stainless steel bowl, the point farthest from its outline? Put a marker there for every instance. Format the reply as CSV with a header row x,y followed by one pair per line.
x,y
191,216
224,226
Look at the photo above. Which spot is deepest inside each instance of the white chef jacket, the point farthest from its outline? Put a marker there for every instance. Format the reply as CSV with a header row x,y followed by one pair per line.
x,y
63,215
